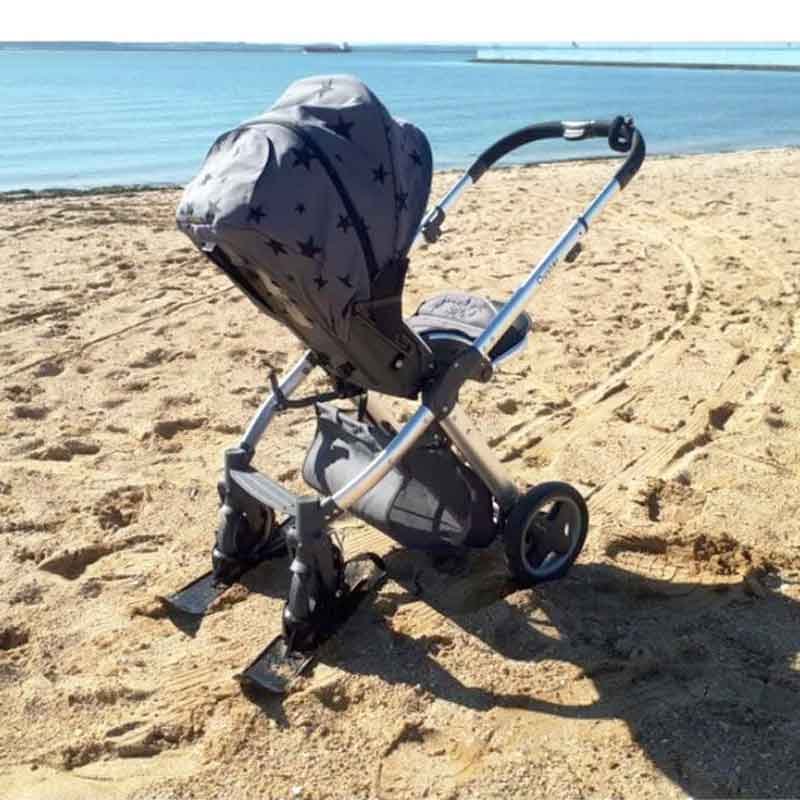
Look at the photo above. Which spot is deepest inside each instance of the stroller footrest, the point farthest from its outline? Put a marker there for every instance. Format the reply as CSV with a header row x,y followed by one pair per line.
x,y
265,491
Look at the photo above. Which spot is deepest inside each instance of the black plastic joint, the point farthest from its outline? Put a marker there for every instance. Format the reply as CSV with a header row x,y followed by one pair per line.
x,y
281,403
477,170
432,229
620,134
442,396
236,458
309,518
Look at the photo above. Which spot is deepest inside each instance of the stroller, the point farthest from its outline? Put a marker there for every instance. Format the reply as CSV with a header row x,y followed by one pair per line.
x,y
311,210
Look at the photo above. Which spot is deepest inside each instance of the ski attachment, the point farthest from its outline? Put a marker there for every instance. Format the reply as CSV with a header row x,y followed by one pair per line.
x,y
197,596
278,665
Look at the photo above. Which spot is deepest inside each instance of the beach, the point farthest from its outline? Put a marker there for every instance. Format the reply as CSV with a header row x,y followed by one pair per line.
x,y
661,380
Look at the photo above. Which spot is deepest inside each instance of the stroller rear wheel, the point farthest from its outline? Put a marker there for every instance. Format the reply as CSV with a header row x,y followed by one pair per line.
x,y
545,532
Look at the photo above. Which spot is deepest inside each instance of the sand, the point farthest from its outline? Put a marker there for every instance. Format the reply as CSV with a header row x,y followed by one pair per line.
x,y
662,380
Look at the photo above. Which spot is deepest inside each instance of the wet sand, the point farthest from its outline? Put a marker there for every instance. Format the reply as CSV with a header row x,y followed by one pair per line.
x,y
662,380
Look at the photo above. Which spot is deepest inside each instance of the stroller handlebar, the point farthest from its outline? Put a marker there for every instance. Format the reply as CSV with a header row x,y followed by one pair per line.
x,y
621,133
622,136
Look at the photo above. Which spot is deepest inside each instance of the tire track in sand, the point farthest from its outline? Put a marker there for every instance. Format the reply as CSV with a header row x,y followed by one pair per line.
x,y
591,409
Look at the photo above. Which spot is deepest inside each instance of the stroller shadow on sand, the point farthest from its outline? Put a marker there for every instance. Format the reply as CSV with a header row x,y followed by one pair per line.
x,y
704,674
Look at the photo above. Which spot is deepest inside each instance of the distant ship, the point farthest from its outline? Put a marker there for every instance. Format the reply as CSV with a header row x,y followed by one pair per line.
x,y
327,48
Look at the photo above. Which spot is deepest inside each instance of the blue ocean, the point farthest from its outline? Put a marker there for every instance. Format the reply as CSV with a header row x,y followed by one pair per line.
x,y
86,116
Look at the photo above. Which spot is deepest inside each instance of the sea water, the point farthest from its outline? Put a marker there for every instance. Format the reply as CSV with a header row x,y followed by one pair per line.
x,y
783,55
80,116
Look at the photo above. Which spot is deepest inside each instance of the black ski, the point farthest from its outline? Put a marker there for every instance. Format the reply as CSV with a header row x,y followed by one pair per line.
x,y
197,596
277,666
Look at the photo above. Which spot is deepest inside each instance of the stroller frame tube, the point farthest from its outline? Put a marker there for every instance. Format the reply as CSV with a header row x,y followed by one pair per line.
x,y
623,137
473,446
267,410
517,303
378,468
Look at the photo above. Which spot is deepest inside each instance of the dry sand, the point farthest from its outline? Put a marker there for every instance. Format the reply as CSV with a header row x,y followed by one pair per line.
x,y
662,380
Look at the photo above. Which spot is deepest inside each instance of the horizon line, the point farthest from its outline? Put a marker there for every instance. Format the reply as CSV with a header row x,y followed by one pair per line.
x,y
417,43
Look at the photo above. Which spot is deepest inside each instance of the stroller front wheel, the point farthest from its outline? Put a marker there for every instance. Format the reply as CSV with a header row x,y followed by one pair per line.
x,y
545,532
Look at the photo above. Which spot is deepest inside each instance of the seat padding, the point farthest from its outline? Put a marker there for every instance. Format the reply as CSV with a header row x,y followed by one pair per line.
x,y
468,315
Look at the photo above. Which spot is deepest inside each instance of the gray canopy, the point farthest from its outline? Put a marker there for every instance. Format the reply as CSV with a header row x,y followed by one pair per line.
x,y
312,207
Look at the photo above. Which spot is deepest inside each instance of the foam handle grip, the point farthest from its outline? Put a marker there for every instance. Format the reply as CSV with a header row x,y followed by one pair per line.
x,y
622,135
515,140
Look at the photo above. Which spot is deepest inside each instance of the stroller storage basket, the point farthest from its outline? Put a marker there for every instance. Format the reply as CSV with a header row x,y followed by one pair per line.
x,y
429,500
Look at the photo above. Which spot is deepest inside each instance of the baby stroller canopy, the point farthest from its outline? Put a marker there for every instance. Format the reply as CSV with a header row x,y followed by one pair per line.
x,y
311,208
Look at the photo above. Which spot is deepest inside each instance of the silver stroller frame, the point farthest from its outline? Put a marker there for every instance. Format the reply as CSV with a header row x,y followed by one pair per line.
x,y
315,567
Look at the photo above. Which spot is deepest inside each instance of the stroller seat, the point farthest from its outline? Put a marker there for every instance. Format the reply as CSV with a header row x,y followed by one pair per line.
x,y
452,320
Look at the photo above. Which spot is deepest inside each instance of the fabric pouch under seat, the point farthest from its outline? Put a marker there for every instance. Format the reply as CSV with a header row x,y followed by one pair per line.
x,y
429,501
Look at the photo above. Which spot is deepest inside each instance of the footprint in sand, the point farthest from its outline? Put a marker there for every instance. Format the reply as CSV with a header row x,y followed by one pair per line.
x,y
227,428
152,358
774,417
105,282
21,394
13,636
136,385
119,508
508,405
27,411
27,444
70,563
718,417
171,401
29,594
66,450
169,428
91,588
114,402
49,369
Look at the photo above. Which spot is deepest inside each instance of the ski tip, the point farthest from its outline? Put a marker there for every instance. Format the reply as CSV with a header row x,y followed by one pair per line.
x,y
249,683
173,604
194,599
275,669
183,618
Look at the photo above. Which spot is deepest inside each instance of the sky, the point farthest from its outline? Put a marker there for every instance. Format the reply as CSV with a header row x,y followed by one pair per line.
x,y
361,21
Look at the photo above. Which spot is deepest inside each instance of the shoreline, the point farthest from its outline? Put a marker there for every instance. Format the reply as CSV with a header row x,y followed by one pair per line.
x,y
574,62
54,193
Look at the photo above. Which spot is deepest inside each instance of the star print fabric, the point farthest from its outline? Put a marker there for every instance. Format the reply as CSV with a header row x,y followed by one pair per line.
x,y
313,200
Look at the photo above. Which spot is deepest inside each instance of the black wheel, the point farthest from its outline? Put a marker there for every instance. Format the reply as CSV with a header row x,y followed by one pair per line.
x,y
545,532
248,536
306,614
